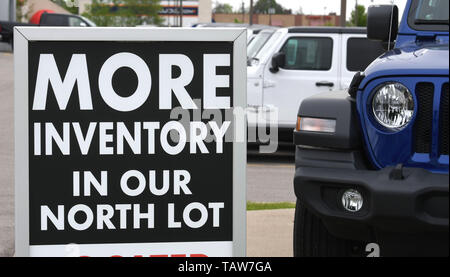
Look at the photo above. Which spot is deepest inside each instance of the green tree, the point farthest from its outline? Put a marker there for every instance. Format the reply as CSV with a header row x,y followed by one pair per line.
x,y
223,8
263,6
21,14
359,14
70,8
123,13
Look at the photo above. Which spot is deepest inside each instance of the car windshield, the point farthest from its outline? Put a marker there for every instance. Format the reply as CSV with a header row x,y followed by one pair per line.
x,y
257,43
432,12
92,24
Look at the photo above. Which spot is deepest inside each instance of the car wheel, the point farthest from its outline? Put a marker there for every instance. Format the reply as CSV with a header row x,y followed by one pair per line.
x,y
312,239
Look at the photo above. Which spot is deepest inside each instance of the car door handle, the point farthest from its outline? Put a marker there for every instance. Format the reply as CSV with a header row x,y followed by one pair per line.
x,y
269,84
325,84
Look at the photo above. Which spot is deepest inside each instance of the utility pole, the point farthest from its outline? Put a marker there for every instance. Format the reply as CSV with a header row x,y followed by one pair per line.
x,y
356,13
168,18
181,13
250,16
243,12
343,12
175,17
271,11
12,10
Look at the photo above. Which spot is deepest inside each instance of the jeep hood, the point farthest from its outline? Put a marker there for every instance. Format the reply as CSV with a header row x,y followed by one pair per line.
x,y
431,59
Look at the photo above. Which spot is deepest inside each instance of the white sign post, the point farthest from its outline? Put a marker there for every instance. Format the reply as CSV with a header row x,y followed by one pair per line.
x,y
130,142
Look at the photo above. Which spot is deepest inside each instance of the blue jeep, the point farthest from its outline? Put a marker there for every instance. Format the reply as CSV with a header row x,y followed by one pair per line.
x,y
372,162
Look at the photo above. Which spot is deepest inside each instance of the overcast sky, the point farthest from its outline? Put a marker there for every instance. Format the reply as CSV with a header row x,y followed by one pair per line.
x,y
316,6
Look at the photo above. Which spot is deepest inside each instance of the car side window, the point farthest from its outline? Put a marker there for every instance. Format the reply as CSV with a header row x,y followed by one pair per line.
x,y
76,22
358,60
53,20
308,53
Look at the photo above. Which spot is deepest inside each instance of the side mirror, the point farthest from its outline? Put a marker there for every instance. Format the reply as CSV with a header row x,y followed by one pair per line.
x,y
278,60
382,23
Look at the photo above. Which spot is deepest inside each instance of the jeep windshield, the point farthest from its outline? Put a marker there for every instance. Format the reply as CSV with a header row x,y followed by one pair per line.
x,y
257,44
429,15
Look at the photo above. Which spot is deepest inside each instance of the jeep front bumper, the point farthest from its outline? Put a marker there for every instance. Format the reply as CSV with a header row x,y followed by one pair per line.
x,y
405,210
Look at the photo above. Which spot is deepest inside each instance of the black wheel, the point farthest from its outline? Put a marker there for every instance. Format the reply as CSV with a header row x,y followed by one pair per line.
x,y
312,239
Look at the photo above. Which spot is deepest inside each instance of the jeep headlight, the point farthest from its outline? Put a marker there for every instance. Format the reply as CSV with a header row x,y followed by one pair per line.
x,y
393,106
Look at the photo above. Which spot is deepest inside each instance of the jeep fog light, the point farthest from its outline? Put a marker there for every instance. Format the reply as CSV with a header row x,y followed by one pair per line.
x,y
352,200
393,106
310,124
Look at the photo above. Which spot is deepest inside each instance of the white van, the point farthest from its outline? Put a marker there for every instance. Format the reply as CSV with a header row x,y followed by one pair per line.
x,y
294,63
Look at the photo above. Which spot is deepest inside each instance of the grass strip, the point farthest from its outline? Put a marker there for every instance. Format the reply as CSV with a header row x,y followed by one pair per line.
x,y
254,206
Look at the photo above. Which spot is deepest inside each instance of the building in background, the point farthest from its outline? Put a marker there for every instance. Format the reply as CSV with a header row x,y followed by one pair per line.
x,y
32,6
82,5
280,20
194,11
8,10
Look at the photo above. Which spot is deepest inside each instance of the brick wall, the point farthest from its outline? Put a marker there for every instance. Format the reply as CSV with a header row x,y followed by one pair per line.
x,y
281,20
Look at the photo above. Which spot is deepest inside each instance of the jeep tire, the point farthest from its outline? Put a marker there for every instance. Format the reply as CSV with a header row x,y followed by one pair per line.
x,y
312,239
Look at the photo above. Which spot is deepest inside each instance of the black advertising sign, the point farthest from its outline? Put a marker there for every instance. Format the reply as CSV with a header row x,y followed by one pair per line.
x,y
131,145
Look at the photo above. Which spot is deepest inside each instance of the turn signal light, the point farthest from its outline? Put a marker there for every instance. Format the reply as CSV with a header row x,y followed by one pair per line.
x,y
310,124
297,126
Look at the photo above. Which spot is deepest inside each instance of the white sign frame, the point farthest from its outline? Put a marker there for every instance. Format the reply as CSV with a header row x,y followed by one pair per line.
x,y
23,35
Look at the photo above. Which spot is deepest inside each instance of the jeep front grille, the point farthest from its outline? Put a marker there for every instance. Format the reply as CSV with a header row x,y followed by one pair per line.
x,y
423,126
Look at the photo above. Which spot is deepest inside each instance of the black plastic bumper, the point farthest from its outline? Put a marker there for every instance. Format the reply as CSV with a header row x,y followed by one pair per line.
x,y
404,210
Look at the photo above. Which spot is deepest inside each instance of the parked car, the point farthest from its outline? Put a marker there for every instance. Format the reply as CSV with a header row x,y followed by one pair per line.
x,y
47,19
294,63
372,163
252,30
256,43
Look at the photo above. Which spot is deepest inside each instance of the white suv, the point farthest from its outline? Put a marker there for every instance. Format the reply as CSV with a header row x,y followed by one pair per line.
x,y
294,63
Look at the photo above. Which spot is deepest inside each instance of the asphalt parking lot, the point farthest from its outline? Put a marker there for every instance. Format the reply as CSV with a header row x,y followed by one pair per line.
x,y
269,179
6,155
